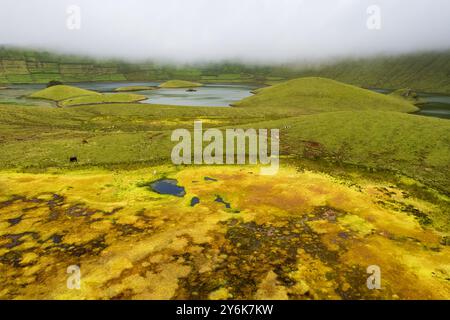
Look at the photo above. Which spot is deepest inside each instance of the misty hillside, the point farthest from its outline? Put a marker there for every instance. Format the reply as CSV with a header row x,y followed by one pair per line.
x,y
428,72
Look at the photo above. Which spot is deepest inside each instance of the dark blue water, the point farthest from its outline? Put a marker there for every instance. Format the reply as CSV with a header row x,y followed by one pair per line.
x,y
167,186
194,201
219,199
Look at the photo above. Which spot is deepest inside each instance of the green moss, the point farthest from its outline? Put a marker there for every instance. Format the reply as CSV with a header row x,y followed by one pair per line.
x,y
179,84
321,95
134,88
62,92
103,98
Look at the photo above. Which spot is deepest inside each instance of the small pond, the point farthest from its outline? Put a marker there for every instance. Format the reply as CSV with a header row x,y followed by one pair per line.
x,y
167,186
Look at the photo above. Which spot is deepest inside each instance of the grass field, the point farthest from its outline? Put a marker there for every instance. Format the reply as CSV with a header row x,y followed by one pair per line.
x,y
361,182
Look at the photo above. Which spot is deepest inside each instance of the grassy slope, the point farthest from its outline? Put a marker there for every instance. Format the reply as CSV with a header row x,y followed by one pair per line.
x,y
359,127
127,134
415,146
323,95
103,98
179,84
427,71
62,92
379,211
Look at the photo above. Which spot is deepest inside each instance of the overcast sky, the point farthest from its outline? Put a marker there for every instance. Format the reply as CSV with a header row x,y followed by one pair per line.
x,y
205,30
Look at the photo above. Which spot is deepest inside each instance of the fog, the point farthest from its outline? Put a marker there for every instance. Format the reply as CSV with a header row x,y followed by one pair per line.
x,y
212,30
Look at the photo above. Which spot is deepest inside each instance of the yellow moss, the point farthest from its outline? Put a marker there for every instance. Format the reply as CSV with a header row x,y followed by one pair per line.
x,y
29,257
132,243
163,285
219,294
356,224
270,289
324,227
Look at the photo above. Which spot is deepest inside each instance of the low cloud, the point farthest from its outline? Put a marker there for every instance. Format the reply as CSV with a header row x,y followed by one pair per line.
x,y
211,30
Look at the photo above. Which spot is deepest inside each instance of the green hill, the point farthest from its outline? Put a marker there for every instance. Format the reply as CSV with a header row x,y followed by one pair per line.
x,y
62,92
425,71
413,145
67,96
323,95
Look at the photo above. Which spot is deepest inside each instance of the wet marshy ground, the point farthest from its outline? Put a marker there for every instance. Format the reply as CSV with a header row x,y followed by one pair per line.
x,y
290,236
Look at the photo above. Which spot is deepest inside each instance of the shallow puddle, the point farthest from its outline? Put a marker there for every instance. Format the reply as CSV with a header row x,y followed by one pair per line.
x,y
167,186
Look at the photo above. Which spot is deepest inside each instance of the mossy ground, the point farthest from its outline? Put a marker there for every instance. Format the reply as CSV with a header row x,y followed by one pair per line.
x,y
297,235
302,234
134,88
103,98
69,96
62,92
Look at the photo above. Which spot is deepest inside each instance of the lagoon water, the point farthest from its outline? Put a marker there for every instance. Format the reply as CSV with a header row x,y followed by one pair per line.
x,y
207,96
434,104
211,95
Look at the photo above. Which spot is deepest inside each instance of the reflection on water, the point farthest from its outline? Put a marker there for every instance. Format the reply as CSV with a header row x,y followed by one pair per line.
x,y
207,96
432,105
167,186
211,95
16,94
110,86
